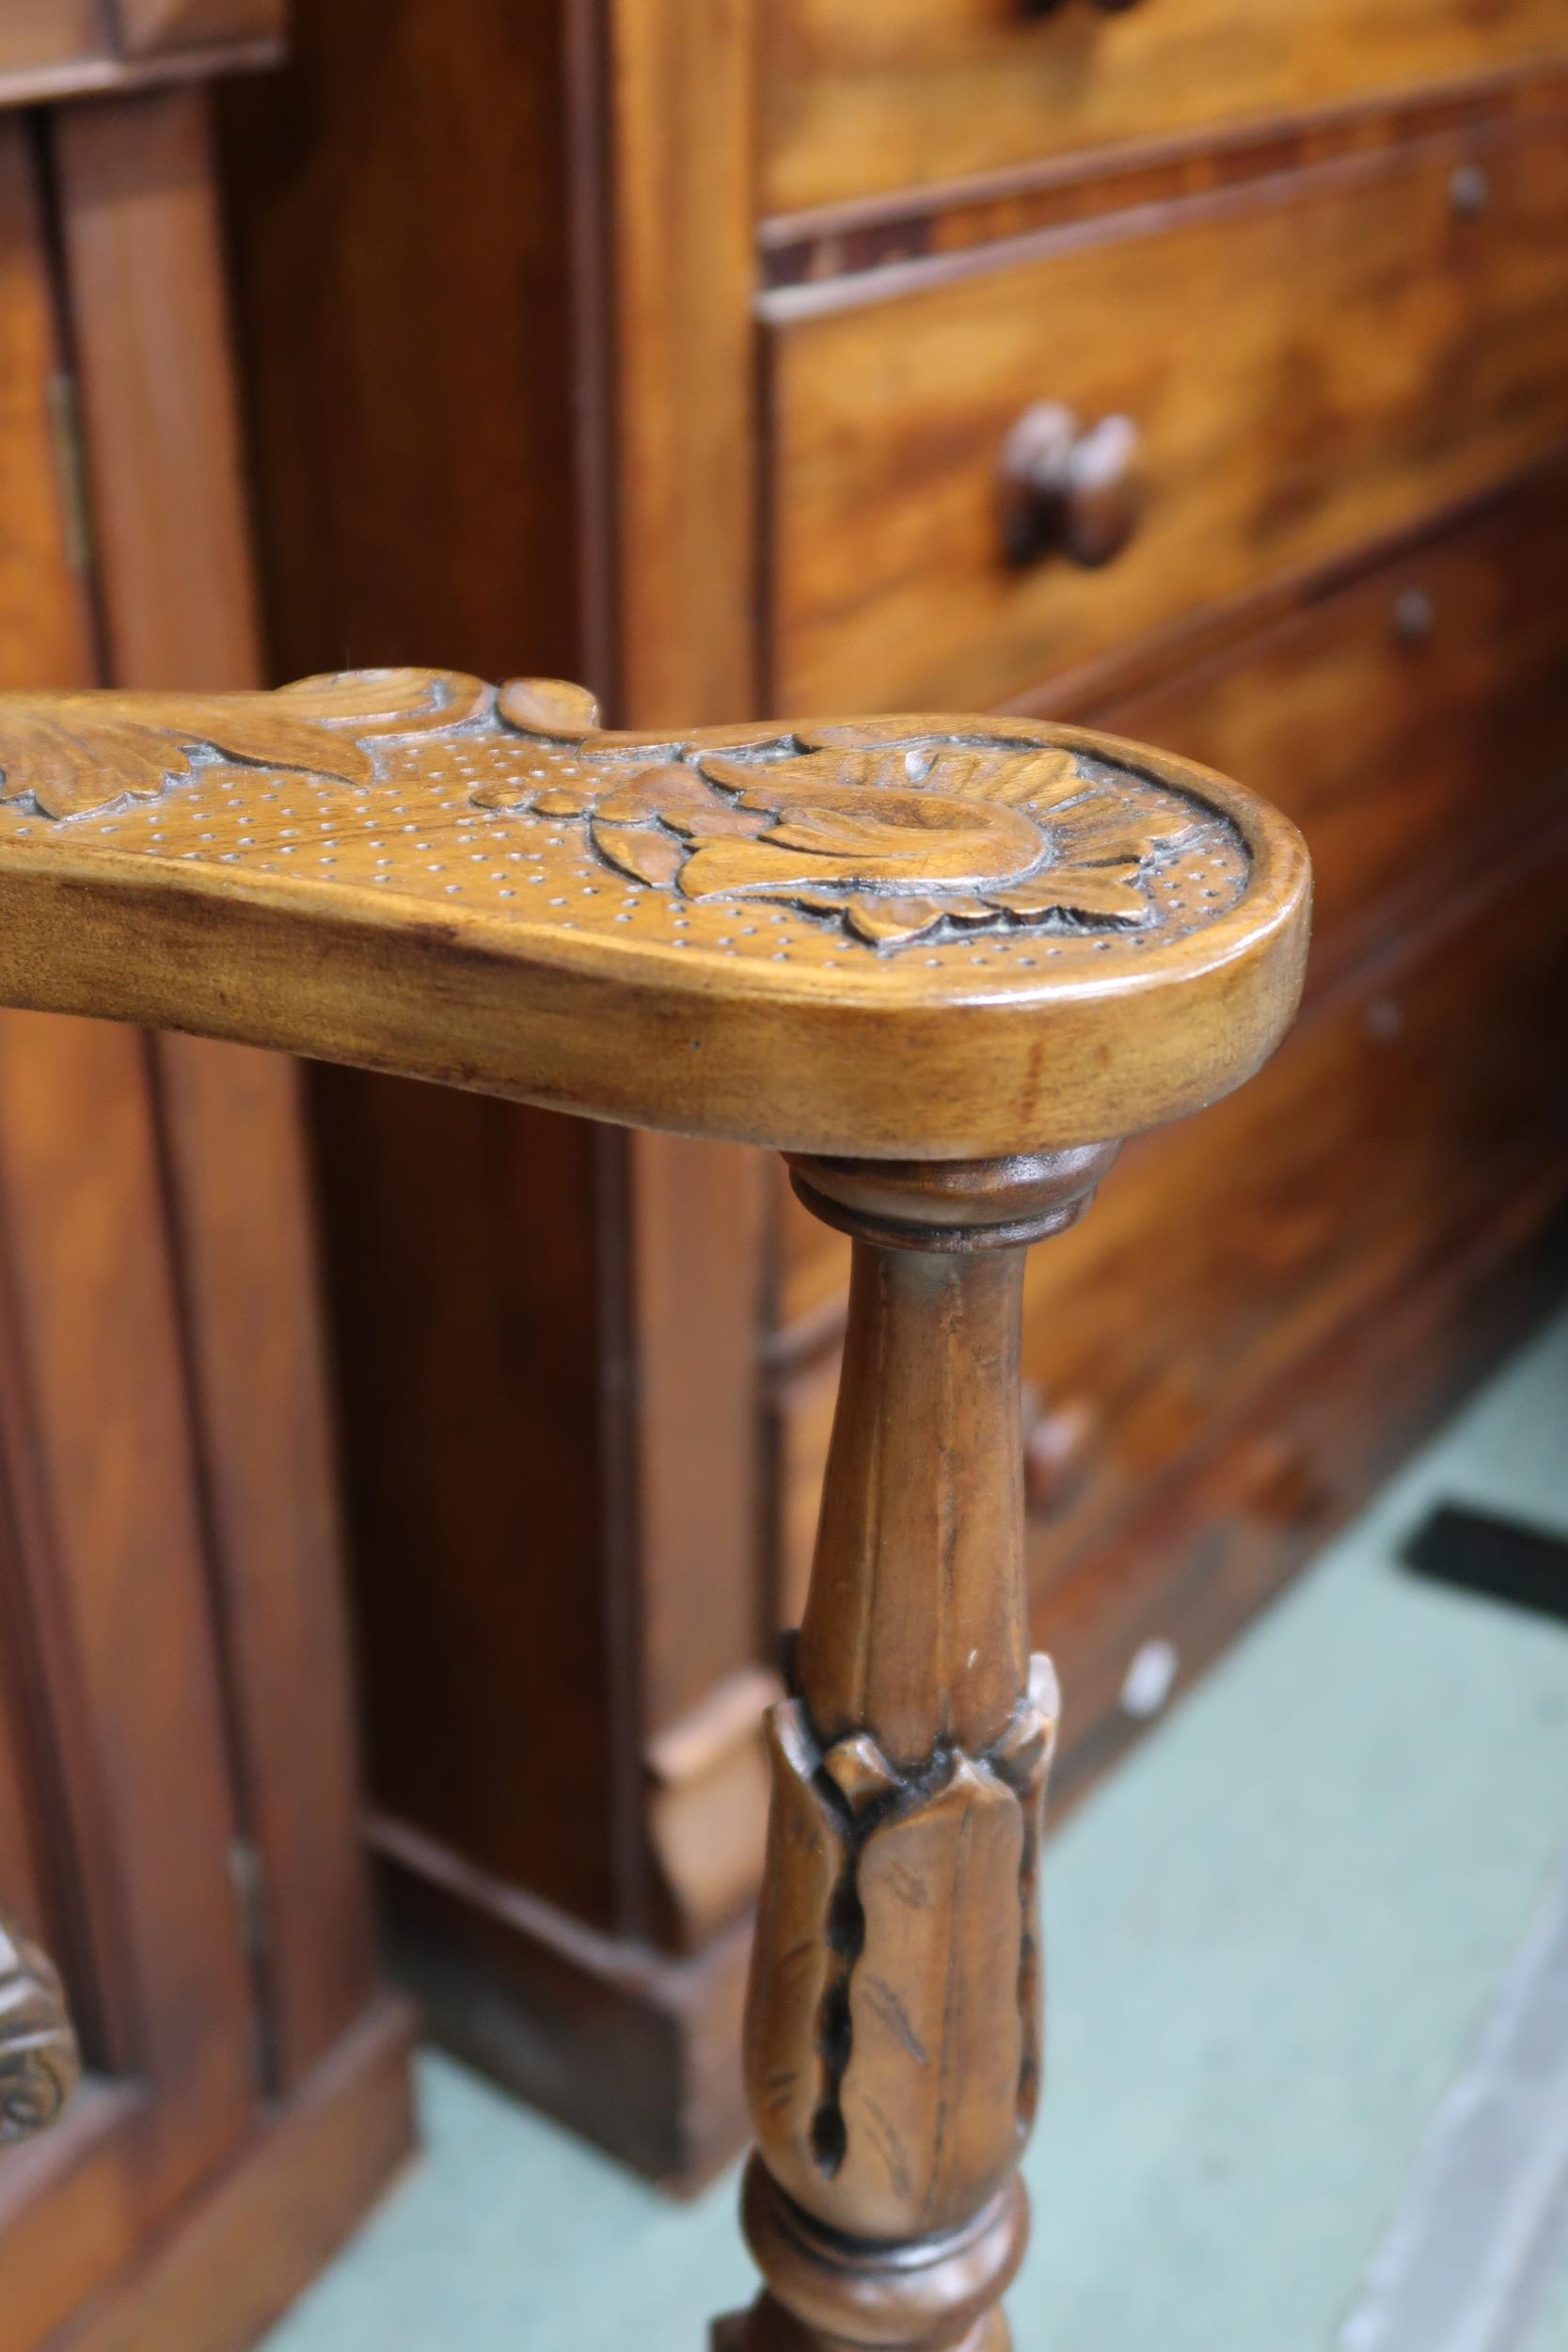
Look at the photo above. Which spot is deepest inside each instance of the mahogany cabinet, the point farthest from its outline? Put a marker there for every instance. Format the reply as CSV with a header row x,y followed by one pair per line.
x,y
178,1781
1198,370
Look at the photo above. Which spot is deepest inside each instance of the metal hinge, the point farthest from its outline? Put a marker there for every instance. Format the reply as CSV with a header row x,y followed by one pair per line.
x,y
248,1875
70,468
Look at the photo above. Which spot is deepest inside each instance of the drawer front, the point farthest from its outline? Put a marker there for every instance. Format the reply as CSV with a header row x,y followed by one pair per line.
x,y
1400,720
900,94
1229,1251
1305,367
65,39
1222,1256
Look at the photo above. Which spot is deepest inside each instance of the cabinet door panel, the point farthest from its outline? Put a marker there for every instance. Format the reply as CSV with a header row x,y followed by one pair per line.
x,y
116,1802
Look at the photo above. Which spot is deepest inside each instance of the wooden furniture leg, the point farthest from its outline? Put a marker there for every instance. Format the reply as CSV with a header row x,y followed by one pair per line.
x,y
942,963
893,2040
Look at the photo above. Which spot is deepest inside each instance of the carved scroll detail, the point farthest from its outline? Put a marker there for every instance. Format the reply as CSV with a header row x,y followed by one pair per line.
x,y
892,2045
38,2059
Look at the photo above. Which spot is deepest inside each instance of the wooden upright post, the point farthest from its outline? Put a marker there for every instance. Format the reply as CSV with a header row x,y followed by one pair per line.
x,y
892,2042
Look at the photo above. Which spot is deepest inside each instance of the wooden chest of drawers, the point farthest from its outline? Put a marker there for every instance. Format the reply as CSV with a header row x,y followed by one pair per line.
x,y
726,318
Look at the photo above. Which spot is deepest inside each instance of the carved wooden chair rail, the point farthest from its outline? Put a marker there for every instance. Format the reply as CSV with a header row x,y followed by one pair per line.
x,y
944,965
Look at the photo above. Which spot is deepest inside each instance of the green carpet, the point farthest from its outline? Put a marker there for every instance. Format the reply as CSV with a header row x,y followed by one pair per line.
x,y
1273,1936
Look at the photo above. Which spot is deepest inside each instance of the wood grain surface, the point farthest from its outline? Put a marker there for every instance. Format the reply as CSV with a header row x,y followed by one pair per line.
x,y
1308,364
910,93
938,937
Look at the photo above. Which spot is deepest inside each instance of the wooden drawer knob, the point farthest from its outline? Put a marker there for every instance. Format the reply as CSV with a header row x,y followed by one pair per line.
x,y
1068,488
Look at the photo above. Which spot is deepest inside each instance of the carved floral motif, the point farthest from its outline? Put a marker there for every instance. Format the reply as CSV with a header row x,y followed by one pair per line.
x,y
39,2062
888,830
893,835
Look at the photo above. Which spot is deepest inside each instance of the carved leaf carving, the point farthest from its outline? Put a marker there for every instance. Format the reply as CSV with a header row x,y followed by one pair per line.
x,y
647,857
75,754
894,2071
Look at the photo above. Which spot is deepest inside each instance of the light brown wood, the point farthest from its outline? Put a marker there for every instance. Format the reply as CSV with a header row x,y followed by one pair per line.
x,y
745,934
151,27
858,102
679,164
54,49
1142,927
241,1207
1307,364
156,390
432,239
893,2032
45,624
263,2230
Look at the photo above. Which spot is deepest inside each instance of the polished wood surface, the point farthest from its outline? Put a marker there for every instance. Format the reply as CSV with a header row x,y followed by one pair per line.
x,y
45,616
729,935
894,2020
557,434
180,1834
859,103
1307,364
1381,716
156,391
54,49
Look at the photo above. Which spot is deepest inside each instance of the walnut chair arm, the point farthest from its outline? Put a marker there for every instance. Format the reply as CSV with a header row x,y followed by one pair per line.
x,y
944,964
932,937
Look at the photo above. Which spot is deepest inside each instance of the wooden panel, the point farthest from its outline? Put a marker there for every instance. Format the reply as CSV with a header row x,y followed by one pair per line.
x,y
145,279
152,27
402,293
40,33
52,49
909,93
469,1392
681,77
103,1488
145,273
45,639
243,1217
1382,716
24,1885
1307,366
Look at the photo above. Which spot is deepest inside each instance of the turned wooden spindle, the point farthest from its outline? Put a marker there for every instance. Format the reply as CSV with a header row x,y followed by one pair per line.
x,y
944,964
